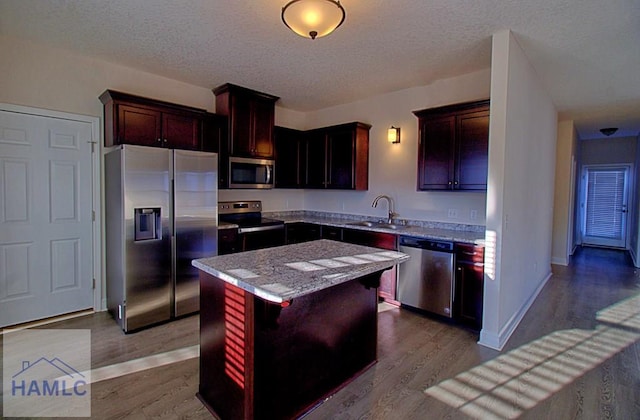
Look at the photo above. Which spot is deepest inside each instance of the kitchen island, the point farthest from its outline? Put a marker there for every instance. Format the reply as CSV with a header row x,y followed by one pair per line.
x,y
283,328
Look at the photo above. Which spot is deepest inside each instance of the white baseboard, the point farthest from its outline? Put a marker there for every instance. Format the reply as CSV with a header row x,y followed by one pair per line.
x,y
559,261
498,341
634,258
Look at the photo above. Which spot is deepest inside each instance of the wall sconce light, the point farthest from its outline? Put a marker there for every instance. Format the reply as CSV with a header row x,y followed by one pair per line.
x,y
393,135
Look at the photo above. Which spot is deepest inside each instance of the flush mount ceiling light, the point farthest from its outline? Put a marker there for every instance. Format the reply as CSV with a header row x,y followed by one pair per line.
x,y
313,18
608,131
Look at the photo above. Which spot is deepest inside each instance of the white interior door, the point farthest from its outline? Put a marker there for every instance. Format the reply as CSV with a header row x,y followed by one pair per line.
x,y
605,206
46,248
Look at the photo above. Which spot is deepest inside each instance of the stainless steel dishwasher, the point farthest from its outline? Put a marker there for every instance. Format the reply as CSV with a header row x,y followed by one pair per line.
x,y
426,281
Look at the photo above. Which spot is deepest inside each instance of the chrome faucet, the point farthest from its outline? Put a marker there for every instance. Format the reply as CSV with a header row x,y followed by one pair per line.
x,y
392,213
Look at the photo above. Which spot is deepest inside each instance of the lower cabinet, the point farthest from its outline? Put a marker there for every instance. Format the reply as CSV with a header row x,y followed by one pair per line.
x,y
301,232
331,232
387,289
469,270
227,241
469,285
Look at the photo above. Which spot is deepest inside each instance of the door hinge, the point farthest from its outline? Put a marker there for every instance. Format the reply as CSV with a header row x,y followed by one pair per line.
x,y
93,215
93,146
93,284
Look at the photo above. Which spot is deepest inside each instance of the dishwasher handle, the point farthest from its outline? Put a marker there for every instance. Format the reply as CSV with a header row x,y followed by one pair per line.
x,y
424,243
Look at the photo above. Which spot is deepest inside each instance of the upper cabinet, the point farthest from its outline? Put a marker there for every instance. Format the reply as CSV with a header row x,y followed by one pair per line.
x,y
335,157
289,157
251,120
341,153
214,132
137,120
454,147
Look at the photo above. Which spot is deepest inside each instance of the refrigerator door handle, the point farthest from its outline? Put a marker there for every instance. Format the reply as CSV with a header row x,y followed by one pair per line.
x,y
172,204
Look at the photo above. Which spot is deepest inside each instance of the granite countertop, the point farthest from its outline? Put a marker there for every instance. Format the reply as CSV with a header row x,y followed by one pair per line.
x,y
285,272
427,230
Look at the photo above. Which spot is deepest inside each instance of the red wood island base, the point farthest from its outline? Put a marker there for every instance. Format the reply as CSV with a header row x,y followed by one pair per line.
x,y
266,360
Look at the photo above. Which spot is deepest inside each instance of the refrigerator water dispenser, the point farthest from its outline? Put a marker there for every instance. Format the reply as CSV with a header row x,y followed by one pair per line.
x,y
148,224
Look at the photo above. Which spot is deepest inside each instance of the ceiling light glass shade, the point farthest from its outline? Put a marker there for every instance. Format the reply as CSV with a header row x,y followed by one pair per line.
x,y
608,131
313,18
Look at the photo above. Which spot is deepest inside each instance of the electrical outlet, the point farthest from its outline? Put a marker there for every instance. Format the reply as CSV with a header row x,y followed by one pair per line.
x,y
473,214
452,213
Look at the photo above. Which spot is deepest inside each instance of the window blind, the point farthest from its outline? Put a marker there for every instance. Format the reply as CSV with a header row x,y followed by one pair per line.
x,y
605,198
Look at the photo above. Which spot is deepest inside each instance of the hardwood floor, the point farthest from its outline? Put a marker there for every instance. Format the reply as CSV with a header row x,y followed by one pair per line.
x,y
576,354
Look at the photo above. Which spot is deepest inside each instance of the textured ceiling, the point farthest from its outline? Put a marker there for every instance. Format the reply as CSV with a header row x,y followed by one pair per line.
x,y
586,52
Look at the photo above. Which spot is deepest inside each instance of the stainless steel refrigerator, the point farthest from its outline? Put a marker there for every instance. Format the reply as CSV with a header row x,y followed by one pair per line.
x,y
161,213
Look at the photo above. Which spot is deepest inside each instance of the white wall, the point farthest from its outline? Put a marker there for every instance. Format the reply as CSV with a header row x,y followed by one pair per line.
x,y
608,151
393,167
522,149
634,243
50,78
564,198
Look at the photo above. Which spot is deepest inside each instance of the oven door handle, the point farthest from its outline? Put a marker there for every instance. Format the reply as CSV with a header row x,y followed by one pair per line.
x,y
268,174
259,228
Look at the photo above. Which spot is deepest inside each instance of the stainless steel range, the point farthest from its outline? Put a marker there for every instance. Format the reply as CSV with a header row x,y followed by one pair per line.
x,y
254,231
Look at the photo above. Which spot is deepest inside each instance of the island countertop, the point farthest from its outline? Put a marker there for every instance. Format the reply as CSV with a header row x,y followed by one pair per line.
x,y
283,273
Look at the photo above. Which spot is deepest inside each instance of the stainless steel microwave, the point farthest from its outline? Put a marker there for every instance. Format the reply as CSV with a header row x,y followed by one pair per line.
x,y
250,173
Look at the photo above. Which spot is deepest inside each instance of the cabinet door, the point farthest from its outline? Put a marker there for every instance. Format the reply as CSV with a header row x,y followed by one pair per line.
x,y
315,161
472,163
340,164
331,232
214,131
241,138
262,128
227,241
138,125
289,156
469,285
436,150
387,289
470,293
301,232
180,131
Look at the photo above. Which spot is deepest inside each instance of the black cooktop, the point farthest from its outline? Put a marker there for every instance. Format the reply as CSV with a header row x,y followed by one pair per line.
x,y
249,220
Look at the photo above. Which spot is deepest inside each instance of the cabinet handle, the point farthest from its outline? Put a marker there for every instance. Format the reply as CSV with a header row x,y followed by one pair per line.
x,y
165,140
450,183
456,183
159,140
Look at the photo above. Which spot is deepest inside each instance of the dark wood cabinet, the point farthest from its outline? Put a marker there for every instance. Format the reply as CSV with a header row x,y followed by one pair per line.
x,y
301,232
469,285
387,289
315,160
337,157
251,120
131,119
228,241
289,156
453,147
214,132
331,232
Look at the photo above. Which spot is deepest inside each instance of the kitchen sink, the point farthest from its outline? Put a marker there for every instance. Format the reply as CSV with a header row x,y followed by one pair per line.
x,y
381,225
